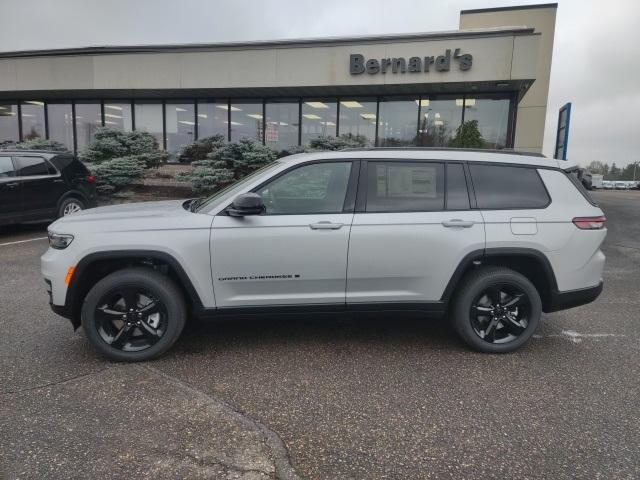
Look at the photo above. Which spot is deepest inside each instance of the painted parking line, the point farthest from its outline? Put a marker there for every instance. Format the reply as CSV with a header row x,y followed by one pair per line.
x,y
22,241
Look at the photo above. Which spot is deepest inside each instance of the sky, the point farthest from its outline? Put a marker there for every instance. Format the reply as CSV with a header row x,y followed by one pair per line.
x,y
596,58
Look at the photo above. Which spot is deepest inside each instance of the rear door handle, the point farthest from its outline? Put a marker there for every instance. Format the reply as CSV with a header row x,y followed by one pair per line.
x,y
325,226
12,184
458,223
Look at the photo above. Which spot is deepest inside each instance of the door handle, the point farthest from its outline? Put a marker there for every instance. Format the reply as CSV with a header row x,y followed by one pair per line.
x,y
456,222
12,184
58,180
324,225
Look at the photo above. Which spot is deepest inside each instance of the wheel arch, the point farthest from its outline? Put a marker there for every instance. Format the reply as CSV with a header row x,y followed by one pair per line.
x,y
529,262
98,265
71,194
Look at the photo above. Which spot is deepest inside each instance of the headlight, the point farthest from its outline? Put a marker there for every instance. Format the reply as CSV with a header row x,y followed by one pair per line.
x,y
59,241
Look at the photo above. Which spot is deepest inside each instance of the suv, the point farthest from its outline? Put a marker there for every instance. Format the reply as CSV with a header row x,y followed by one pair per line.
x,y
41,185
493,239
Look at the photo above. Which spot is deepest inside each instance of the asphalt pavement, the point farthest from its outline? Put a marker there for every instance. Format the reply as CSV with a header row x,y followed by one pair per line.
x,y
388,397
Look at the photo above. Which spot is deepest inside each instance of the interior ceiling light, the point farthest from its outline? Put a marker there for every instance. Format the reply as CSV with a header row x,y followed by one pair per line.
x,y
368,116
255,115
470,102
423,103
328,124
351,104
108,122
114,107
34,102
186,122
459,102
203,115
111,115
312,116
180,109
226,107
317,104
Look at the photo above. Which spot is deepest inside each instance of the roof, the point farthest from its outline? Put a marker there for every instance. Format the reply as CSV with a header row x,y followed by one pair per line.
x,y
282,43
506,9
460,154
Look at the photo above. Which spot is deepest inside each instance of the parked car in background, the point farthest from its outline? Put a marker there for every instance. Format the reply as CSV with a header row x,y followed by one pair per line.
x,y
621,185
596,180
41,185
491,238
607,184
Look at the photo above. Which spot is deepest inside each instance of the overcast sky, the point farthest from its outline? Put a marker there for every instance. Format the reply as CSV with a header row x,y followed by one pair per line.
x,y
596,58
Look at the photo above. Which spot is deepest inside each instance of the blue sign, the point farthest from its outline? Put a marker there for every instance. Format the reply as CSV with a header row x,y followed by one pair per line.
x,y
562,134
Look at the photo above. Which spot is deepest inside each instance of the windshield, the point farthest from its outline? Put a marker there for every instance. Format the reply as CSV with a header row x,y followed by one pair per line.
x,y
210,201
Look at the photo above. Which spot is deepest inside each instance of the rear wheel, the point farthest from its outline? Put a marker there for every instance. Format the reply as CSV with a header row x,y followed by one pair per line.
x,y
496,310
133,314
70,205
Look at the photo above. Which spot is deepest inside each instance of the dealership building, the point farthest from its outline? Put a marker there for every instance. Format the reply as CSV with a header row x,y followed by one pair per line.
x,y
394,90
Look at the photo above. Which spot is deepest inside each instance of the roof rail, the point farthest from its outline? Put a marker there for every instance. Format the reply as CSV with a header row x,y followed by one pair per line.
x,y
504,151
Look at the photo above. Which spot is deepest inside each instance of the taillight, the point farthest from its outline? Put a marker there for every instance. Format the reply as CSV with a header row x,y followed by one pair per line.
x,y
91,179
590,223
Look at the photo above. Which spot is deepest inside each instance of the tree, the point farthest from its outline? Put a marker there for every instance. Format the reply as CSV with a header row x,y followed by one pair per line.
x,y
596,167
468,136
202,147
41,144
614,172
109,143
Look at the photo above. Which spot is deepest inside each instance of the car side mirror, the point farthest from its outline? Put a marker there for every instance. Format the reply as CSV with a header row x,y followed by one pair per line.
x,y
246,204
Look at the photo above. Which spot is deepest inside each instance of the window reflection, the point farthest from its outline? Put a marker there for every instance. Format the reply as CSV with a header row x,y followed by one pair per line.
x,y
281,126
180,125
246,120
212,118
492,114
358,117
32,120
319,118
148,117
88,120
439,119
9,131
118,115
398,122
61,123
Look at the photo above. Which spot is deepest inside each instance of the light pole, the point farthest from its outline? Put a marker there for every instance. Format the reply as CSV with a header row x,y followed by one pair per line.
x,y
635,165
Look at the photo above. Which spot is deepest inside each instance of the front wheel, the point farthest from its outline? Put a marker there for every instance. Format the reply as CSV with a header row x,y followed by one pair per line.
x,y
496,310
134,314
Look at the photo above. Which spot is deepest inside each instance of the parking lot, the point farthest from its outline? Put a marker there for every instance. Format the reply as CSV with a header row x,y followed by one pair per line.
x,y
324,397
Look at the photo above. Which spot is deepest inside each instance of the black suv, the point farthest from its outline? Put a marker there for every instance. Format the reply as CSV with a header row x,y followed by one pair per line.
x,y
41,185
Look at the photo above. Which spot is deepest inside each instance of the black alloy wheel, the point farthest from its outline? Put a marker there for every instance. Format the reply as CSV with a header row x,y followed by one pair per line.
x,y
500,313
130,319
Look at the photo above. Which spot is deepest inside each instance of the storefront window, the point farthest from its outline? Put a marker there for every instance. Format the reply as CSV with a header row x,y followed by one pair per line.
x,y
118,115
439,119
32,120
212,118
246,120
148,117
181,124
358,118
88,120
8,123
319,118
61,123
398,122
281,131
492,114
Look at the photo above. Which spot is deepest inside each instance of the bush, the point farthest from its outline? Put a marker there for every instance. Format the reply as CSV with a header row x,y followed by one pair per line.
x,y
199,149
468,136
41,144
338,143
228,162
152,159
109,143
117,173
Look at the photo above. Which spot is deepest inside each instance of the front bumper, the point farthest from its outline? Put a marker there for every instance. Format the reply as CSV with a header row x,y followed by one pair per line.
x,y
573,298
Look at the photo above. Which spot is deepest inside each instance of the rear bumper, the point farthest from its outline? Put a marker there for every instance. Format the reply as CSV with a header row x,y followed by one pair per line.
x,y
573,298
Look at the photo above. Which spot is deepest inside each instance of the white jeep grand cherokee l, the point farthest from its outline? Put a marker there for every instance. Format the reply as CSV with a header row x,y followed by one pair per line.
x,y
492,239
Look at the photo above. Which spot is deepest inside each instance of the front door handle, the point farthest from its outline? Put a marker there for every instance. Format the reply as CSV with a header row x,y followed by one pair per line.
x,y
324,225
456,222
12,184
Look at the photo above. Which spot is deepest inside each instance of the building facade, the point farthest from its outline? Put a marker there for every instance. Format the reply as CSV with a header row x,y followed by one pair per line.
x,y
394,90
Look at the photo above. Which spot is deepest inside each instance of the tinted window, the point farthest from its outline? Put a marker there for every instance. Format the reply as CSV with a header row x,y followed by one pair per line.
x,y
508,187
404,187
316,188
457,194
6,167
31,166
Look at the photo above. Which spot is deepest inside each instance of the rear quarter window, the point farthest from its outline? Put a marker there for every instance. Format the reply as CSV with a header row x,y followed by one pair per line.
x,y
508,187
574,176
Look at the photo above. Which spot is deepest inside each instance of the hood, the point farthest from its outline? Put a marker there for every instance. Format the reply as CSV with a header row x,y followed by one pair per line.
x,y
127,211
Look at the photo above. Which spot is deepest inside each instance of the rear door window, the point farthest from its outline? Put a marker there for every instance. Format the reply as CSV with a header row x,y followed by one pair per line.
x,y
33,166
507,187
405,187
6,167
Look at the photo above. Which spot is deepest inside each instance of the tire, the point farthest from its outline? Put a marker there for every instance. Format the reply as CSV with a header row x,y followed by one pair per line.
x,y
494,326
70,205
124,333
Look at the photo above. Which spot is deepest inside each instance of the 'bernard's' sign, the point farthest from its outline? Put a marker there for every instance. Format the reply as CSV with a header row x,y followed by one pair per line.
x,y
441,63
